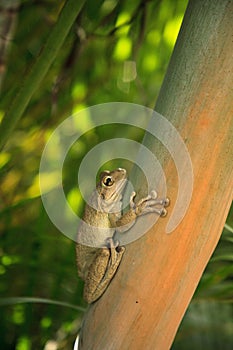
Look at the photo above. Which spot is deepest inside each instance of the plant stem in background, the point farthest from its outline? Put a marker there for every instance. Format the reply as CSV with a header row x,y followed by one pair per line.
x,y
40,68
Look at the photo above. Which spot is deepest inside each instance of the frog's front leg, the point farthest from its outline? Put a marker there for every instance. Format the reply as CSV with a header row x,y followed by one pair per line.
x,y
149,204
102,271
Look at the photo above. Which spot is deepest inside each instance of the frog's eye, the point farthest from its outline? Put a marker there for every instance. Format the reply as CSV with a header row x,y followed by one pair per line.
x,y
107,181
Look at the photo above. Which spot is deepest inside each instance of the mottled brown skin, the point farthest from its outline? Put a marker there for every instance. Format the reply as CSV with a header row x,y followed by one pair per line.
x,y
97,266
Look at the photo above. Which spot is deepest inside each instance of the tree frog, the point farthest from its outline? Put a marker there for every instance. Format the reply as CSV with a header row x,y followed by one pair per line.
x,y
98,262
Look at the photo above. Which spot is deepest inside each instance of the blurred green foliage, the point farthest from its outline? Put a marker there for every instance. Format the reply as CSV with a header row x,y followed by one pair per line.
x,y
116,51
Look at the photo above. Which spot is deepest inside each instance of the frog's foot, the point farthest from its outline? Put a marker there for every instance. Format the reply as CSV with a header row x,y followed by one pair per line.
x,y
112,243
150,204
116,251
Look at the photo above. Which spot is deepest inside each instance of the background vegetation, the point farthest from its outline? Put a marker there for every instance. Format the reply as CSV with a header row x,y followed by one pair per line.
x,y
115,51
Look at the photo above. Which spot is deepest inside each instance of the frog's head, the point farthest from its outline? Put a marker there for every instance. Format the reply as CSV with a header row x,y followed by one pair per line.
x,y
111,184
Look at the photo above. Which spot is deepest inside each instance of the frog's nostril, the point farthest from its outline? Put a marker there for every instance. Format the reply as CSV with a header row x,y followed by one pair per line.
x,y
122,170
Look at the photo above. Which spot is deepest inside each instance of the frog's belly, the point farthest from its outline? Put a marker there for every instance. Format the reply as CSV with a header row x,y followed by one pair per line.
x,y
93,236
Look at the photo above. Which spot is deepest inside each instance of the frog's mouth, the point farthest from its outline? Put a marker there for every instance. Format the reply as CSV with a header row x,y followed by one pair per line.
x,y
119,189
121,186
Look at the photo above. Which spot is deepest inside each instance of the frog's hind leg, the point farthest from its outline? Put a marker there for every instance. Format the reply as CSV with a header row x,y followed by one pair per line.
x,y
101,272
